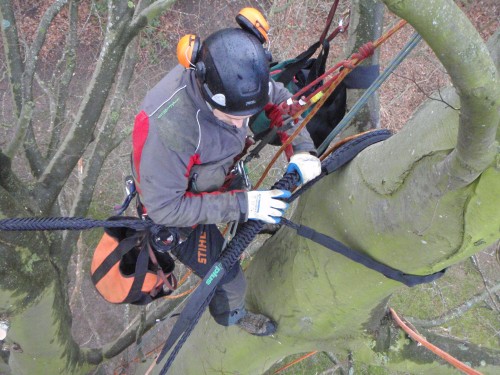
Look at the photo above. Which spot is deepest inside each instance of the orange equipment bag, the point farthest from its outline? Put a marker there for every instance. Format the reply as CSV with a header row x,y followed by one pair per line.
x,y
126,269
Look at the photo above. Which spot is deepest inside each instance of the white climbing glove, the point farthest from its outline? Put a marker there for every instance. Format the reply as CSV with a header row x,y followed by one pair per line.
x,y
263,205
306,165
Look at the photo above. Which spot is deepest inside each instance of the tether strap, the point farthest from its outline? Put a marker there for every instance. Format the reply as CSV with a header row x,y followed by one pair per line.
x,y
340,157
339,247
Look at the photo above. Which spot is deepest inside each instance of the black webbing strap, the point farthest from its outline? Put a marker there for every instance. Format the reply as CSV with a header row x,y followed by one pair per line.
x,y
198,297
362,77
339,247
114,257
295,65
141,269
340,157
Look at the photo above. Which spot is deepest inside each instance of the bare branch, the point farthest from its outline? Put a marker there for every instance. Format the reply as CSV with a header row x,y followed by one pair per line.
x,y
475,78
29,72
150,12
61,81
128,337
105,143
14,60
457,311
81,131
35,158
21,128
427,95
475,261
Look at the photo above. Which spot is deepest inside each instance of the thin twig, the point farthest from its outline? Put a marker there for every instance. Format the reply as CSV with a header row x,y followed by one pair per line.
x,y
456,312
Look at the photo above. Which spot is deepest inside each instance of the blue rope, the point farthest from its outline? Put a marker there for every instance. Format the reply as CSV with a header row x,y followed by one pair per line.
x,y
412,43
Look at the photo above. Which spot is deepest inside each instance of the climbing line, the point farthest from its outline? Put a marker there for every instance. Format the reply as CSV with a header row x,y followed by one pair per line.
x,y
73,223
439,352
348,65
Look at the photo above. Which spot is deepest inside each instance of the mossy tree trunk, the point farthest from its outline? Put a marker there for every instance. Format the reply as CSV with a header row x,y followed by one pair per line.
x,y
423,200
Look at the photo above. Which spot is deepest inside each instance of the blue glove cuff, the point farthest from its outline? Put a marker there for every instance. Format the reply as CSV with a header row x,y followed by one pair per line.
x,y
292,167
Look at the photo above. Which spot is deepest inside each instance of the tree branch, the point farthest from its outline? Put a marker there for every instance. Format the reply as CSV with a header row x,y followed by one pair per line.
x,y
456,312
81,132
15,191
14,61
103,144
35,158
150,12
473,73
164,311
61,79
29,72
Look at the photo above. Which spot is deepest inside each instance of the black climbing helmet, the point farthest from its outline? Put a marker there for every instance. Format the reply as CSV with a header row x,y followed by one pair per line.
x,y
233,72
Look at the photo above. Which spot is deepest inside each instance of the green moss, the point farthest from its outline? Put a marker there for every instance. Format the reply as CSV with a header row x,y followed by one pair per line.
x,y
430,301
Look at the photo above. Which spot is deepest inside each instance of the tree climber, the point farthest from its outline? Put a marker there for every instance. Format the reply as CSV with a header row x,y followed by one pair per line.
x,y
191,126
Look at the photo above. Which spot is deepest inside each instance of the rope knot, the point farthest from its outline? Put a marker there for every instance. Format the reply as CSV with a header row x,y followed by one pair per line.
x,y
366,50
290,109
274,113
348,64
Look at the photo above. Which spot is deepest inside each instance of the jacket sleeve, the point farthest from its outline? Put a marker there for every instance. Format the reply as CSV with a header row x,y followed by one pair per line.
x,y
164,178
278,93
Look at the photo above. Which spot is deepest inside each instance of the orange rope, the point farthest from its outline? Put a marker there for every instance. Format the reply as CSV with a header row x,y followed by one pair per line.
x,y
441,353
296,361
341,142
333,83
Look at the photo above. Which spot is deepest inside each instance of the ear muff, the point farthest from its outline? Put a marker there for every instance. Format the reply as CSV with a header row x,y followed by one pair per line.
x,y
188,50
251,20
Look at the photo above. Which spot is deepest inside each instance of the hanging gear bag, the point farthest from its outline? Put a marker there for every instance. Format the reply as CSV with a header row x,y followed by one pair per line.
x,y
126,269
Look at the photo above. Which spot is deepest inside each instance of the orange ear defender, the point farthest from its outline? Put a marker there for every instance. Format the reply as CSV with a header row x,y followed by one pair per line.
x,y
187,50
252,20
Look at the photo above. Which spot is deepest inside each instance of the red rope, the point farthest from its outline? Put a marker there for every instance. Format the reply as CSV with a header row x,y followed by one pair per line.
x,y
329,20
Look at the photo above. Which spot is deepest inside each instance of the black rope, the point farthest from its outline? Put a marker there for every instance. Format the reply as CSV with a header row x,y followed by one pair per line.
x,y
67,223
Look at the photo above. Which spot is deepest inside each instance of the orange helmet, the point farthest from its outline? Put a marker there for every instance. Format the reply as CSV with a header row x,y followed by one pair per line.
x,y
253,21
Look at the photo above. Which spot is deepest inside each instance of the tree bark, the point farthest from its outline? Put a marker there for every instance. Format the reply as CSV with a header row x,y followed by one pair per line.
x,y
365,24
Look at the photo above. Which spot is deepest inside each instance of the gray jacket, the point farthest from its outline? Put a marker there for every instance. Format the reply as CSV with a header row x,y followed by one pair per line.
x,y
182,154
